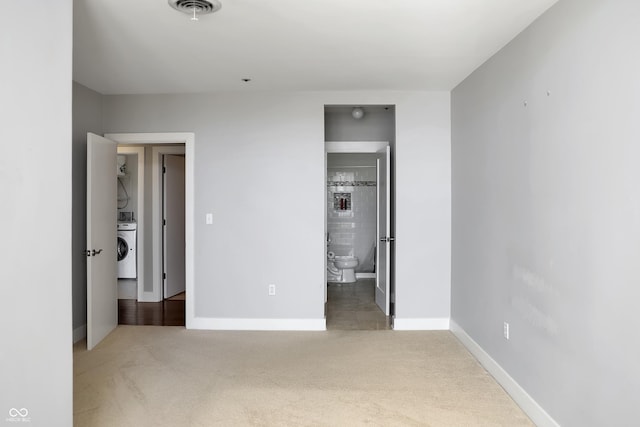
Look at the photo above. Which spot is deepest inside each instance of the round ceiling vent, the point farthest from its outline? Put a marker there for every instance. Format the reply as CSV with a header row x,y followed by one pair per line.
x,y
193,7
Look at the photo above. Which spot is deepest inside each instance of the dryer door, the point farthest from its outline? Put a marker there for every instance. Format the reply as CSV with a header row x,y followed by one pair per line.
x,y
122,249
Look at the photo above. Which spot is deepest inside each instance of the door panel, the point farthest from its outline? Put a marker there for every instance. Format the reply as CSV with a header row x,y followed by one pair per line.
x,y
173,230
102,267
383,254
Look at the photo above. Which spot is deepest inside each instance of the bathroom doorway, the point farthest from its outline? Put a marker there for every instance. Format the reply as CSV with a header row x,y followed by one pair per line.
x,y
358,213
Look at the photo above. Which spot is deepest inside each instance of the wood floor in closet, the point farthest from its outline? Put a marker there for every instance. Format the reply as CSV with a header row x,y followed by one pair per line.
x,y
163,313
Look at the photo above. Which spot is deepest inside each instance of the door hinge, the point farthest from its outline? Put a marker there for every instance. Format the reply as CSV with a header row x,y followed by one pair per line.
x,y
164,169
164,276
164,222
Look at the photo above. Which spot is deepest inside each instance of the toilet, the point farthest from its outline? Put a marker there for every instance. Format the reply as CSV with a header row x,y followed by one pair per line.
x,y
341,269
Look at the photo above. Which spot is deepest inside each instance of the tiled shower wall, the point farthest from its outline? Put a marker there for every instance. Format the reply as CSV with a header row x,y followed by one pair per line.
x,y
352,226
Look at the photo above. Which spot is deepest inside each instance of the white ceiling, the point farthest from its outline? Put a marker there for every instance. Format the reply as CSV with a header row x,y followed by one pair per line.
x,y
145,46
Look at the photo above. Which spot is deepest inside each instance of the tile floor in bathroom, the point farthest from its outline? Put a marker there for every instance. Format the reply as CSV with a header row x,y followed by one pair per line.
x,y
352,306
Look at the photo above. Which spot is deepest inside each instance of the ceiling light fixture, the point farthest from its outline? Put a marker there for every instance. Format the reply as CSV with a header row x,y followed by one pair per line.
x,y
196,7
357,113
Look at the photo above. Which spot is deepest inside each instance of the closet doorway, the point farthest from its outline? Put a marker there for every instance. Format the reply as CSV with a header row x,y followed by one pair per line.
x,y
163,294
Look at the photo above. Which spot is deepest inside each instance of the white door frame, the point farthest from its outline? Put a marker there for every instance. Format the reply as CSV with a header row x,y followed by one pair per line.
x,y
188,139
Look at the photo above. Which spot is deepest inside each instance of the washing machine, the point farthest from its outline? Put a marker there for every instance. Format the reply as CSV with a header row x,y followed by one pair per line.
x,y
127,250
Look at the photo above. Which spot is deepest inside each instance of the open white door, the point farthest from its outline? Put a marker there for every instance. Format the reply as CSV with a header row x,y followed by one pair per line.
x,y
102,267
383,254
173,240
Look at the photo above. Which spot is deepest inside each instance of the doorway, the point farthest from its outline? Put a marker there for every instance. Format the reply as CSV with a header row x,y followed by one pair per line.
x,y
358,216
152,185
357,224
359,147
165,173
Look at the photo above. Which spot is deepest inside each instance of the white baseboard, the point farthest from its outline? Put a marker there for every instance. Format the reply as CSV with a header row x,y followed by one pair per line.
x,y
148,297
424,324
537,414
365,275
79,333
225,324
127,289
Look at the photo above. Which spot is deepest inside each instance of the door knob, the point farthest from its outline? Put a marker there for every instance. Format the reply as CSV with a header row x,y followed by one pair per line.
x,y
91,252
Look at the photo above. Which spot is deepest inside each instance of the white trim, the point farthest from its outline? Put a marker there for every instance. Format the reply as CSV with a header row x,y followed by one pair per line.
x,y
188,139
227,324
79,333
354,146
538,415
128,289
425,324
147,296
139,152
365,275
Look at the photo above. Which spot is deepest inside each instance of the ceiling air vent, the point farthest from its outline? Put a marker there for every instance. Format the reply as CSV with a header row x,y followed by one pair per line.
x,y
196,7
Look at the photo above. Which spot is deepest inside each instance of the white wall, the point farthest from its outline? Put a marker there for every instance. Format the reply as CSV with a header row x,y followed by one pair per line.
x,y
247,147
87,117
423,211
35,172
546,210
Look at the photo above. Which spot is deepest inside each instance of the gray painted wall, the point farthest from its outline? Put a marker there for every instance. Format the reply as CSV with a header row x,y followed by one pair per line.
x,y
377,124
250,147
35,172
87,117
546,210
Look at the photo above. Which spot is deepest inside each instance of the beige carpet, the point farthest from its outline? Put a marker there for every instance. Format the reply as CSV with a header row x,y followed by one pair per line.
x,y
169,376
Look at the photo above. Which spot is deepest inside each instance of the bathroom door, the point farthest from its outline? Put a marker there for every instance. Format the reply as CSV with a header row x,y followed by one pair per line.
x,y
102,267
383,254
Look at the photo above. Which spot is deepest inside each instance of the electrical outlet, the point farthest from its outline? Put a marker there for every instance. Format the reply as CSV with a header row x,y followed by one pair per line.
x,y
272,290
505,330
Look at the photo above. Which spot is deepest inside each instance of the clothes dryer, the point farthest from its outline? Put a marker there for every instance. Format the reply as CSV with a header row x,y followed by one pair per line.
x,y
127,250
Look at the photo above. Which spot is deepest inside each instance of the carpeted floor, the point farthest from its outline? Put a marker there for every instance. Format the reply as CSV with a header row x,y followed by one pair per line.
x,y
170,376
